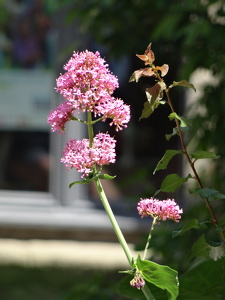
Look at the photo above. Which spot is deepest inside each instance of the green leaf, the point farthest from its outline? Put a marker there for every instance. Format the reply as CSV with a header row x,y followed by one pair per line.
x,y
168,136
203,281
221,226
163,277
162,164
203,249
147,110
204,154
154,93
172,182
210,194
184,83
200,248
184,124
189,225
86,181
106,176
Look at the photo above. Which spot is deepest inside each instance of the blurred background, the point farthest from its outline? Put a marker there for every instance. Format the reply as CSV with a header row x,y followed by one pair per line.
x,y
37,38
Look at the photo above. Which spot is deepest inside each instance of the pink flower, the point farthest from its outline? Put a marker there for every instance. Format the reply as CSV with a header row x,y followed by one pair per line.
x,y
88,85
160,209
79,155
60,116
87,81
138,281
118,112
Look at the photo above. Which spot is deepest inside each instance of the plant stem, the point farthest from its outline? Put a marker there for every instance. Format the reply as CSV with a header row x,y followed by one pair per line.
x,y
184,149
119,233
149,237
113,220
110,214
90,128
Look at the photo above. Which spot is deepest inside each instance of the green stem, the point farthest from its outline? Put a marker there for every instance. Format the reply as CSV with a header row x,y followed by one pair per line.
x,y
119,233
113,220
149,237
90,128
110,214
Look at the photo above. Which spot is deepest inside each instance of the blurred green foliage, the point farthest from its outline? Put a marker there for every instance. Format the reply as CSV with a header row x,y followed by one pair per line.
x,y
57,283
182,28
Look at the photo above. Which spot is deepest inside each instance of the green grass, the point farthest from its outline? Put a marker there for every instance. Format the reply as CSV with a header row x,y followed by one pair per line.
x,y
57,283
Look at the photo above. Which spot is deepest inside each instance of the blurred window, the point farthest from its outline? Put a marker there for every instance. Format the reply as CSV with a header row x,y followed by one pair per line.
x,y
26,85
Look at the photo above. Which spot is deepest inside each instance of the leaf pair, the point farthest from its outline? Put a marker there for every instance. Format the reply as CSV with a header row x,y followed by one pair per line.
x,y
172,182
92,177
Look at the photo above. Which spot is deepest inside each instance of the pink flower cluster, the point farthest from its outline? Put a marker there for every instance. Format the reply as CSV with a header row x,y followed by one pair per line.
x,y
79,155
88,85
138,281
60,116
160,209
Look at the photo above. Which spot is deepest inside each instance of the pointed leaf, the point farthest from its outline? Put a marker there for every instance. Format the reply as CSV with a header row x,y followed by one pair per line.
x,y
147,111
136,75
147,72
200,248
183,122
204,154
184,83
142,57
210,194
106,176
191,224
86,181
163,69
163,277
172,182
162,164
148,56
203,249
154,93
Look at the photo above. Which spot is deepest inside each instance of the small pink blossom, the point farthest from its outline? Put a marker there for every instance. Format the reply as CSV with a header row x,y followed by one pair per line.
x,y
118,112
60,116
160,209
138,281
79,155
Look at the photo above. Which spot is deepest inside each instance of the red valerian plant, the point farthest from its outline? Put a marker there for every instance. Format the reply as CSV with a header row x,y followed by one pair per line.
x,y
87,86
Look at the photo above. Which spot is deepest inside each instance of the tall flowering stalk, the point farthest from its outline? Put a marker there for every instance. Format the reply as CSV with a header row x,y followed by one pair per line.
x,y
87,86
